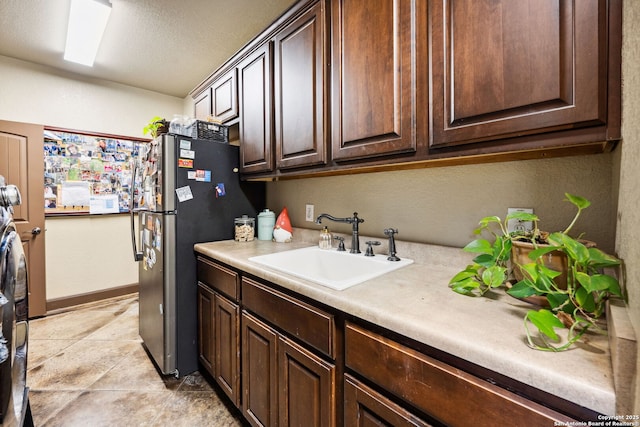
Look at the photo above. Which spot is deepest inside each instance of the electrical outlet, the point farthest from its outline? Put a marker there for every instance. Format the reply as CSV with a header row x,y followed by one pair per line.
x,y
308,216
514,224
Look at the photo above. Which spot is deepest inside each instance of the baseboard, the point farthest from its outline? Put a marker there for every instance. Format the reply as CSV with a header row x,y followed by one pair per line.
x,y
89,297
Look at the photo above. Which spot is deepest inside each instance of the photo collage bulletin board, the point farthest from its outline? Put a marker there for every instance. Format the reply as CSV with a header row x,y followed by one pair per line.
x,y
87,173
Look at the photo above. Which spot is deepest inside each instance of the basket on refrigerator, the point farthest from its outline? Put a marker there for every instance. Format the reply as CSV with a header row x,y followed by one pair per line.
x,y
212,131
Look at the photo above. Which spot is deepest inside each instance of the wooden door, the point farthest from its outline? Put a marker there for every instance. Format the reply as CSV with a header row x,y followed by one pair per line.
x,y
256,105
301,110
227,347
224,96
307,395
505,68
206,324
374,80
22,164
259,372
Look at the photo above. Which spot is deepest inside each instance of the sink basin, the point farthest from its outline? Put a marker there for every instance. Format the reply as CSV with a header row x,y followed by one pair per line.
x,y
328,267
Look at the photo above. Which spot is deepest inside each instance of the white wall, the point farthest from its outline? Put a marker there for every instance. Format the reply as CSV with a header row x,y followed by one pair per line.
x,y
36,94
88,253
83,254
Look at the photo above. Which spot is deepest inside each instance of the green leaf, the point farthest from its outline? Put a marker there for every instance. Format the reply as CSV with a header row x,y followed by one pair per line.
x,y
485,260
470,271
585,300
579,202
599,282
481,246
545,283
573,248
484,222
545,321
502,249
465,287
600,259
614,286
541,251
522,289
522,216
548,272
494,276
530,270
556,299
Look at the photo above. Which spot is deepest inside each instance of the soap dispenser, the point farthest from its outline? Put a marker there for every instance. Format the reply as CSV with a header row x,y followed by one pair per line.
x,y
325,239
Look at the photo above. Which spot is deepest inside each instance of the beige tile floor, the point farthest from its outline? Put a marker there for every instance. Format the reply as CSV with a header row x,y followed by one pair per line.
x,y
87,367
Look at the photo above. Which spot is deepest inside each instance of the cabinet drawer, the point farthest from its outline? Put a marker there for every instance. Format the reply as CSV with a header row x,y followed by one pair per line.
x,y
362,404
303,321
445,393
219,278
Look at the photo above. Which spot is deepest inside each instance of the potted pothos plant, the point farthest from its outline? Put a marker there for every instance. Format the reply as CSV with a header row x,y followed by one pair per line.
x,y
576,302
155,127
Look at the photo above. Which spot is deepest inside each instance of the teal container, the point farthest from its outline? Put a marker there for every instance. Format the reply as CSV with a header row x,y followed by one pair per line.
x,y
266,222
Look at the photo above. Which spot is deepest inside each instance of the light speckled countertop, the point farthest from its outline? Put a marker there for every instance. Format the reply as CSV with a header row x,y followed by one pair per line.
x,y
416,302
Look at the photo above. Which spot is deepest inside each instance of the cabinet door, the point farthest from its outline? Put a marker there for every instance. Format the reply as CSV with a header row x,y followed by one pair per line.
x,y
224,97
306,387
259,372
300,101
256,130
206,324
364,407
227,347
505,68
374,81
202,105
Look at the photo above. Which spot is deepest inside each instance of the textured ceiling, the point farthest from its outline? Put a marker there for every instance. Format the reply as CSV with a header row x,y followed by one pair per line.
x,y
167,46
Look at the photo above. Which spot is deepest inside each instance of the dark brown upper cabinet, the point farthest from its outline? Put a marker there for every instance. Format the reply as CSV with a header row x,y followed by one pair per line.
x,y
504,69
374,79
346,86
301,110
202,105
224,97
256,126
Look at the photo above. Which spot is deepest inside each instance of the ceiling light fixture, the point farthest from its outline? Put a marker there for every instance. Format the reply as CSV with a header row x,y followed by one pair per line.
x,y
87,21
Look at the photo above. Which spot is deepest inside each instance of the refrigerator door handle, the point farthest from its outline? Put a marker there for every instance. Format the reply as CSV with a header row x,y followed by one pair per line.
x,y
137,255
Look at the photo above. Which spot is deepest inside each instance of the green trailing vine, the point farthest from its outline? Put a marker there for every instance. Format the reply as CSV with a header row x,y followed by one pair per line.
x,y
575,306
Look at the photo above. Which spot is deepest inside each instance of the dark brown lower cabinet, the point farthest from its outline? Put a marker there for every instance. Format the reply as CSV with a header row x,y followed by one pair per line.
x,y
206,323
441,391
283,383
259,372
284,360
227,347
307,387
219,340
364,407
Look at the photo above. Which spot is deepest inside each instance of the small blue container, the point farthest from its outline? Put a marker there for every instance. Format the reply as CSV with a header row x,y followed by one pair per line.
x,y
266,222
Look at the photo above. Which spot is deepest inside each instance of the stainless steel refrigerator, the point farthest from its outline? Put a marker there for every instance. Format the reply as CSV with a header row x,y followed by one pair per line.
x,y
187,191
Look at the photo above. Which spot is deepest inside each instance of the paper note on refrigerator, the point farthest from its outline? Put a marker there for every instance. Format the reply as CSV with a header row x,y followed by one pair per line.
x,y
184,193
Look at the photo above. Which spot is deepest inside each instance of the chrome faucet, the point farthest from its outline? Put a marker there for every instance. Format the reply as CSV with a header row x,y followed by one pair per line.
x,y
354,221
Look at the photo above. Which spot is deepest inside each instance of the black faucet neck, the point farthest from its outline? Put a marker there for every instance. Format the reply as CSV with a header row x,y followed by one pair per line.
x,y
354,221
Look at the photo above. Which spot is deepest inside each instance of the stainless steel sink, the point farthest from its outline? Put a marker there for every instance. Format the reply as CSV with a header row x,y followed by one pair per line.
x,y
328,267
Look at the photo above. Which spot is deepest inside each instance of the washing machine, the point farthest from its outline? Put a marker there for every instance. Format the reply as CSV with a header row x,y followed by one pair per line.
x,y
14,329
